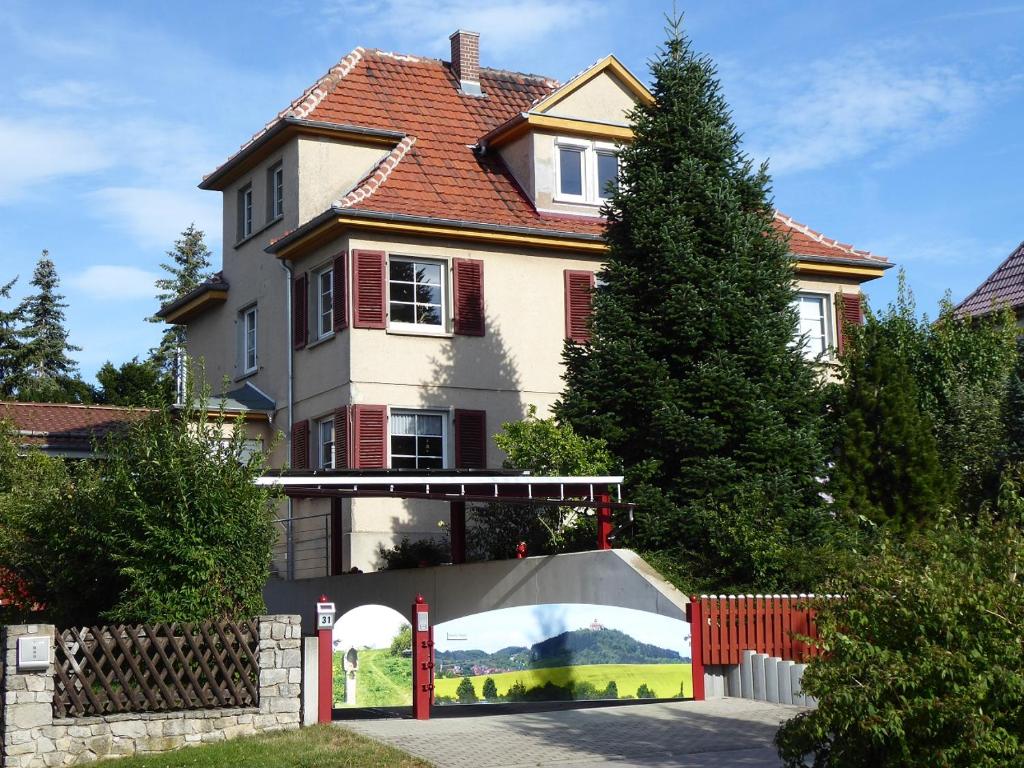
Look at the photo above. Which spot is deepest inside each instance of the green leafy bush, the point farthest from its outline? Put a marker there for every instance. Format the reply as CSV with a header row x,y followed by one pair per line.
x,y
925,663
466,693
167,526
490,689
401,643
544,447
421,553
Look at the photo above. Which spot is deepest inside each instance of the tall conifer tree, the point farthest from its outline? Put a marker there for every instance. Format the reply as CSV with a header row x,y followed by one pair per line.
x,y
10,344
887,466
188,267
691,374
47,370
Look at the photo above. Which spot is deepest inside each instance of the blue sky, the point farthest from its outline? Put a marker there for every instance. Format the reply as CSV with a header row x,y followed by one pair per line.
x,y
892,126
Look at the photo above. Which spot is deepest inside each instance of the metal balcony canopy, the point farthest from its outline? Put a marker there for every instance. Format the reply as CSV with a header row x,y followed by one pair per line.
x,y
450,485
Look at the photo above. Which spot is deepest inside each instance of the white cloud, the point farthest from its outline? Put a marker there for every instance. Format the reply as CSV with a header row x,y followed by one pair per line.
x,y
33,152
504,26
155,216
73,94
109,281
873,104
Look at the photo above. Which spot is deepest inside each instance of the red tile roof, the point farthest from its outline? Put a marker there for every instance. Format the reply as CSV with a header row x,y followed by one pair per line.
x,y
1004,287
66,427
434,172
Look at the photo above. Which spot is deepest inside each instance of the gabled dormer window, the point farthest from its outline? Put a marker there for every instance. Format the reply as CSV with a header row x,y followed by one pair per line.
x,y
586,171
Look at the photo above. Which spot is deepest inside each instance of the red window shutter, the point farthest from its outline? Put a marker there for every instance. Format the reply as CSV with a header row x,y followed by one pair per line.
x,y
469,296
470,439
370,433
300,311
368,290
341,446
849,313
338,292
579,290
300,445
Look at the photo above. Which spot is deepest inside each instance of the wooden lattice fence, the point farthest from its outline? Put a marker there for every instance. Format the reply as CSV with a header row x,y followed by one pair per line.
x,y
156,668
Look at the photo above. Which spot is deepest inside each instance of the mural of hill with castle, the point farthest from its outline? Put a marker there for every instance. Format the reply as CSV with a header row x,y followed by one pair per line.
x,y
595,645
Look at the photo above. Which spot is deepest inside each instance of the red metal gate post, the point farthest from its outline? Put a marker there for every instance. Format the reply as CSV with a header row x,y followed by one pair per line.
x,y
457,529
695,615
325,659
422,660
604,521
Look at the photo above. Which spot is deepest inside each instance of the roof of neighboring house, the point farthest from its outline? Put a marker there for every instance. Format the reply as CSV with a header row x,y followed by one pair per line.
x,y
63,428
245,399
436,171
1004,287
213,290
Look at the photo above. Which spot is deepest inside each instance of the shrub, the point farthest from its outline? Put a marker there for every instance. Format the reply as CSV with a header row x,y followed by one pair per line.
x,y
167,526
611,691
421,553
466,693
402,642
643,692
924,664
490,690
517,691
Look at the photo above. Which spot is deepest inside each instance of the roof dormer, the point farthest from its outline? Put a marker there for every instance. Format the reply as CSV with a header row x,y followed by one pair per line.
x,y
562,151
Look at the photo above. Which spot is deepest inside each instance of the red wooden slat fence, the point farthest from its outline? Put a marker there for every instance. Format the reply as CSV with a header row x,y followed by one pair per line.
x,y
723,626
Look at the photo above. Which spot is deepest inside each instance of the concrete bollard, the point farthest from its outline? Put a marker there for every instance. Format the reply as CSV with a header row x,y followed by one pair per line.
x,y
796,675
785,682
757,675
732,681
310,680
771,679
746,675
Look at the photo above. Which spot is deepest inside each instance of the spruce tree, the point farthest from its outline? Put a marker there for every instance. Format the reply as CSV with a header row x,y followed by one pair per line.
x,y
691,375
188,267
47,371
886,466
10,344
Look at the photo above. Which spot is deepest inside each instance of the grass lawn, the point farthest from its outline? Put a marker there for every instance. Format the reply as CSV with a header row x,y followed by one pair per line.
x,y
663,679
322,746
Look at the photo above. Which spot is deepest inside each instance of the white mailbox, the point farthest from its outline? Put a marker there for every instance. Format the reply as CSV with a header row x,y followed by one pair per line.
x,y
33,653
324,615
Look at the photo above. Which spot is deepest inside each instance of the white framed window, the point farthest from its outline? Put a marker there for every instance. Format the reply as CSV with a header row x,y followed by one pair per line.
x,y
418,439
275,191
325,443
585,170
248,339
814,326
417,294
324,304
245,212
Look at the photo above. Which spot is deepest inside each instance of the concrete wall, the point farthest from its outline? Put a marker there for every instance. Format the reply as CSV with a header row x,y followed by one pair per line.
x,y
33,737
616,577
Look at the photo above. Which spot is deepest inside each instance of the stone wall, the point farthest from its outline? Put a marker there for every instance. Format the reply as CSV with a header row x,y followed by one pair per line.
x,y
32,736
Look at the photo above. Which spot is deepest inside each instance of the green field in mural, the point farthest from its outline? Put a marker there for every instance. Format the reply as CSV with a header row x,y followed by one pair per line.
x,y
663,680
383,680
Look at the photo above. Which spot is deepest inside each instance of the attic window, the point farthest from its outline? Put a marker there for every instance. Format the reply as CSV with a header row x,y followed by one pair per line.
x,y
586,171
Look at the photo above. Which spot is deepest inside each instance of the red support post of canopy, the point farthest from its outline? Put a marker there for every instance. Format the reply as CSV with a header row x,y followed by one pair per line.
x,y
457,530
604,521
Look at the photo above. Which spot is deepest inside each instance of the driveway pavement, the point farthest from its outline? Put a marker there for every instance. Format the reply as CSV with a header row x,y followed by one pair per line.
x,y
724,733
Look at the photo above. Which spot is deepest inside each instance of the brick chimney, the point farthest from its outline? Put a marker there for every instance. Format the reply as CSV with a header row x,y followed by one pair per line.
x,y
466,60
